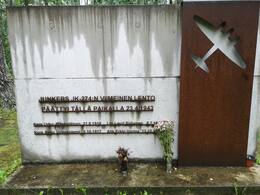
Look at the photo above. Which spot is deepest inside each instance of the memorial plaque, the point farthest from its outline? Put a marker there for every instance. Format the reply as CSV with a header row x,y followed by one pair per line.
x,y
111,127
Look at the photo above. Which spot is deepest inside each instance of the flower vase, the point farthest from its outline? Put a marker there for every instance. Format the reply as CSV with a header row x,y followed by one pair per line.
x,y
168,165
123,166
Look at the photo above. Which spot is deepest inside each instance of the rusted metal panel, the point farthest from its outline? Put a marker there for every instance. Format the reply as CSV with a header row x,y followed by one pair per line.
x,y
215,105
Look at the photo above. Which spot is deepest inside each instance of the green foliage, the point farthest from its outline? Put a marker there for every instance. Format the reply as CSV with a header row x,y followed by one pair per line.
x,y
41,193
239,190
122,193
9,145
2,176
258,161
144,193
60,2
128,2
166,138
140,193
164,131
258,148
5,173
188,191
82,190
61,191
4,36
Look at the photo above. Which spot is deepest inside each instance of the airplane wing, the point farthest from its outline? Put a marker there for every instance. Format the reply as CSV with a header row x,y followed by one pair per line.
x,y
208,29
233,55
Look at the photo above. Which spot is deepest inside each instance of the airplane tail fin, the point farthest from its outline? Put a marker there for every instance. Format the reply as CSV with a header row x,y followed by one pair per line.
x,y
200,63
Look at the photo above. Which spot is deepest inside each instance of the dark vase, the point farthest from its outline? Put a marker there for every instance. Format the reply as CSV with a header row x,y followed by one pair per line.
x,y
123,166
169,165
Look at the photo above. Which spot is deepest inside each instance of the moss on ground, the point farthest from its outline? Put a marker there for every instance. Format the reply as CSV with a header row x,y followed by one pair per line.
x,y
10,157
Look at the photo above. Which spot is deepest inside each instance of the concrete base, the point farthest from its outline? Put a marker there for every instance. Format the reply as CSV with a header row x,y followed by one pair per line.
x,y
104,178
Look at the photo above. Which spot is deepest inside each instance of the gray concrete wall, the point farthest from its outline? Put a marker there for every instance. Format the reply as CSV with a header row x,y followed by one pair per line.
x,y
123,50
95,42
78,51
255,102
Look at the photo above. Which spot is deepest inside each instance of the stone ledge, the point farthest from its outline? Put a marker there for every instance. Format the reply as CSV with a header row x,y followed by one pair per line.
x,y
207,190
102,178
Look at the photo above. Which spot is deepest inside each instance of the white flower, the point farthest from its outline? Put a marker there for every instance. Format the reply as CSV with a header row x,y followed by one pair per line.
x,y
163,125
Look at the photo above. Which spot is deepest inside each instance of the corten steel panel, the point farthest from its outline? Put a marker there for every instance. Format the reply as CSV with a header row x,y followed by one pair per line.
x,y
215,106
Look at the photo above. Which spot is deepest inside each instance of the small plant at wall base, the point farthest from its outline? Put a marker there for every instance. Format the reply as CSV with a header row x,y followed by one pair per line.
x,y
123,155
164,131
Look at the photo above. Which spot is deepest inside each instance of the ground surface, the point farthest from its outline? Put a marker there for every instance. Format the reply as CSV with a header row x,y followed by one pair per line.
x,y
106,175
9,145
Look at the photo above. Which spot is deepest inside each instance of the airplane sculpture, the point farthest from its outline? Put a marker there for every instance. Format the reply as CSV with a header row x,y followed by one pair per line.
x,y
221,41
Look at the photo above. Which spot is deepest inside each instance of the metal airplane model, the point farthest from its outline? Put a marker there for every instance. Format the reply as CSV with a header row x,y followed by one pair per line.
x,y
221,41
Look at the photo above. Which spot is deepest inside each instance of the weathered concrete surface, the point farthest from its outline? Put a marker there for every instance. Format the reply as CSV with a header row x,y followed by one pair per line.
x,y
58,148
95,41
254,124
141,176
94,51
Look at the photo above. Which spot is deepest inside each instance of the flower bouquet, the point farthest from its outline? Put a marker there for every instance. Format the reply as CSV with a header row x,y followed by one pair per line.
x,y
164,131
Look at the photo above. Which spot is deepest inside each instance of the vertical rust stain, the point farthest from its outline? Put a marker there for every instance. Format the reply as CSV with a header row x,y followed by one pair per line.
x,y
215,106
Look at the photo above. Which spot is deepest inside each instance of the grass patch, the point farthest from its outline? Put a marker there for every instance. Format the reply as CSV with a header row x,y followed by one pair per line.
x,y
258,148
10,157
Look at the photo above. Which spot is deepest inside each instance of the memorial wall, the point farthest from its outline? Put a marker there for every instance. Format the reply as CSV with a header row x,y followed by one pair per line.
x,y
91,79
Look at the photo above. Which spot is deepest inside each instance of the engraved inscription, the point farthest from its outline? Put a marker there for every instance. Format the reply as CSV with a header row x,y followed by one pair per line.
x,y
66,104
62,99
